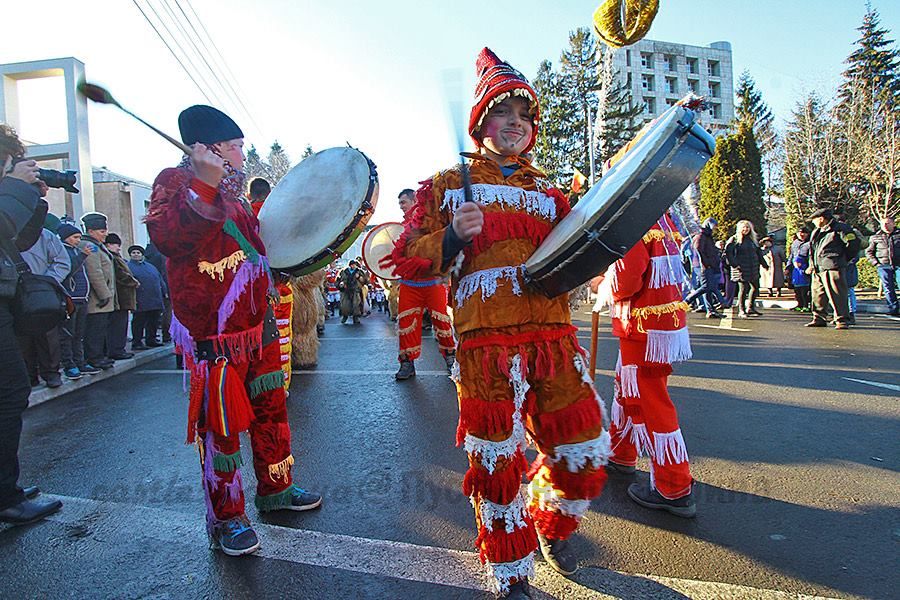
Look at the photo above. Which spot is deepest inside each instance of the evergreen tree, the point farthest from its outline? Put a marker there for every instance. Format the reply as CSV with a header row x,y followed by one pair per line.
x,y
731,186
872,66
254,166
618,117
580,82
551,143
308,151
279,163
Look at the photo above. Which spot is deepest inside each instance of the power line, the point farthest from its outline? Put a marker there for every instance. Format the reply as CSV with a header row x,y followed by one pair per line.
x,y
174,54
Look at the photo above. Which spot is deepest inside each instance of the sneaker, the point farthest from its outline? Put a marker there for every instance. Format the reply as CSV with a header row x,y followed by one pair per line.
x,y
72,373
53,381
302,500
519,590
89,369
816,323
614,468
559,555
235,537
715,315
754,313
407,370
742,315
450,360
647,497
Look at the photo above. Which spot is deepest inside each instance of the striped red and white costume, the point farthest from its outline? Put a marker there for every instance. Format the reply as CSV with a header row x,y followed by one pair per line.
x,y
649,318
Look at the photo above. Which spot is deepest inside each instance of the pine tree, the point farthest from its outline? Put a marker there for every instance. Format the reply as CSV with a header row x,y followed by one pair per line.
x,y
254,166
279,163
731,186
580,82
872,66
618,117
551,143
308,151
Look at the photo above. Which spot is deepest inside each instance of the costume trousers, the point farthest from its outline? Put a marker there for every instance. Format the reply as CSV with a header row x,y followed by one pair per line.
x,y
413,302
71,338
42,354
283,312
645,422
527,381
270,438
144,324
829,294
14,392
117,333
95,337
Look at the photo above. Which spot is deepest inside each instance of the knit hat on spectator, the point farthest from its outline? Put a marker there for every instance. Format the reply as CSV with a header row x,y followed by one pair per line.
x,y
113,238
207,125
65,230
497,81
94,220
138,248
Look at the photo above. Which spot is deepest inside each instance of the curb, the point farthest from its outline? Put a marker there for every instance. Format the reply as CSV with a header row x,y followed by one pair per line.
x,y
43,394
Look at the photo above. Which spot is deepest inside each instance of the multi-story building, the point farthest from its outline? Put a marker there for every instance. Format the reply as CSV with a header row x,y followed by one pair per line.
x,y
660,73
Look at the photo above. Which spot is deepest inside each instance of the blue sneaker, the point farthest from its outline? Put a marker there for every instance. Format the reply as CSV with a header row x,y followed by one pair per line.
x,y
303,500
235,537
72,373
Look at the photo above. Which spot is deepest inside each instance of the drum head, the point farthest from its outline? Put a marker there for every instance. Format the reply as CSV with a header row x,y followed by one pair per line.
x,y
379,243
318,209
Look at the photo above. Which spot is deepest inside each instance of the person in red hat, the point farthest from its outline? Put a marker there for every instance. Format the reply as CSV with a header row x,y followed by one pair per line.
x,y
416,296
224,326
519,365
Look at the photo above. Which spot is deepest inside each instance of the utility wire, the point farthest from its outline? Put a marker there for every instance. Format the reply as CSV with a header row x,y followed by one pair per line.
x,y
174,54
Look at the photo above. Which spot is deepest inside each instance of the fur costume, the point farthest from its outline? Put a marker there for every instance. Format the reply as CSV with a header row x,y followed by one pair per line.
x,y
308,306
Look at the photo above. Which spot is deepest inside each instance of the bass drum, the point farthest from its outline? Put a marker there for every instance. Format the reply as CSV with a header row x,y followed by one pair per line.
x,y
318,210
379,243
623,205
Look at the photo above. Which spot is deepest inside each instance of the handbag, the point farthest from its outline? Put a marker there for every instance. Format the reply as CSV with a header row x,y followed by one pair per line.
x,y
40,303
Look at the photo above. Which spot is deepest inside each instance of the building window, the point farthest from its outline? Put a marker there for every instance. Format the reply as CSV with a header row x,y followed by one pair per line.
x,y
671,102
693,86
715,89
646,60
692,65
670,63
715,111
628,58
647,83
671,85
649,105
713,68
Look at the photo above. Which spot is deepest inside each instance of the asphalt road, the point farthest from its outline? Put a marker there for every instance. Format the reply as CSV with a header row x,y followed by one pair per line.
x,y
792,434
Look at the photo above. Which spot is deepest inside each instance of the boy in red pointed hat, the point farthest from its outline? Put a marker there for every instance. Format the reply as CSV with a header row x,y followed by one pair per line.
x,y
520,371
224,326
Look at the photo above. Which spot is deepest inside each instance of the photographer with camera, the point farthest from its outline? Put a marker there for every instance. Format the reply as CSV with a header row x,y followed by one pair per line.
x,y
22,212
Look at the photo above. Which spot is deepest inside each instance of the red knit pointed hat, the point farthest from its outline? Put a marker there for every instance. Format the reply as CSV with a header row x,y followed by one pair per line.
x,y
497,81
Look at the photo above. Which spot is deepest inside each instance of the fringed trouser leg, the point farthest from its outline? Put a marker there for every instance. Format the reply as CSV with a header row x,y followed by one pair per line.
x,y
283,311
413,300
517,380
645,422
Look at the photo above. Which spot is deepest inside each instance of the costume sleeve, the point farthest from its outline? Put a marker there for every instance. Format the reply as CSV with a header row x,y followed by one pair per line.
x,y
628,272
419,253
179,220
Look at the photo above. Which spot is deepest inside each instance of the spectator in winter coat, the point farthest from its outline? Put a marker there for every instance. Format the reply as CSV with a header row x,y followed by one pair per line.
x,y
745,258
71,339
155,258
710,261
832,245
772,277
145,320
800,261
102,297
884,254
41,351
126,301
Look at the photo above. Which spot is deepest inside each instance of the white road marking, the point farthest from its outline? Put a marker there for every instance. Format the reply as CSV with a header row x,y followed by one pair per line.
x,y
383,558
721,327
887,386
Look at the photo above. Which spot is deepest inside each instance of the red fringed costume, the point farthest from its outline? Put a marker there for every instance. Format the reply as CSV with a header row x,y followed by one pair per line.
x,y
520,371
224,326
649,320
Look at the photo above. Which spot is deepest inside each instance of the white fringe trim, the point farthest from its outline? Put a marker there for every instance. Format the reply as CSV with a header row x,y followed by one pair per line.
x,y
552,500
508,196
458,263
640,439
406,313
628,382
669,448
665,270
618,414
512,514
668,346
487,282
503,573
454,372
412,327
577,456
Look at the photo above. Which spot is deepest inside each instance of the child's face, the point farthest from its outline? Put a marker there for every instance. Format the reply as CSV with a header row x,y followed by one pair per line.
x,y
507,128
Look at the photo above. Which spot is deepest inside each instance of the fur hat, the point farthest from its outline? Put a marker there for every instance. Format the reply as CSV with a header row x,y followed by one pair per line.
x,y
207,125
497,81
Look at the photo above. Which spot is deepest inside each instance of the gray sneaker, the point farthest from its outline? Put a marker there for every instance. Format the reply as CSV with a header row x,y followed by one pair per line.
x,y
643,494
235,537
303,500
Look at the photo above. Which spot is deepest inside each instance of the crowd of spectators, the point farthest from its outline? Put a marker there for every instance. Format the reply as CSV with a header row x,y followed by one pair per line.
x,y
107,291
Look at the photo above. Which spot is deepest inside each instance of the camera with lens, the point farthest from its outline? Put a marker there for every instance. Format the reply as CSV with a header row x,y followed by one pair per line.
x,y
56,179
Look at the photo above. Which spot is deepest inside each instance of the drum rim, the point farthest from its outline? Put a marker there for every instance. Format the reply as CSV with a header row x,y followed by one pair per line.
x,y
366,239
349,234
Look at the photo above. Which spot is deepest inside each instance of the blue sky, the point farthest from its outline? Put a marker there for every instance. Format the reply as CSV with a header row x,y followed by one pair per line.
x,y
370,73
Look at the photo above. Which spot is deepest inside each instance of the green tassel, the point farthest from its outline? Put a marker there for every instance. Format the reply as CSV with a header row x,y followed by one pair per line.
x,y
266,383
231,229
275,501
226,463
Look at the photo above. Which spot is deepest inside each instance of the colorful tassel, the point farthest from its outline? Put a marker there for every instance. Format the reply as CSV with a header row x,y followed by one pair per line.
x,y
228,411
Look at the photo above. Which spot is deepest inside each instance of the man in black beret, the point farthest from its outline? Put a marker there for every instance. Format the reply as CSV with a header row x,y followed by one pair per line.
x,y
831,247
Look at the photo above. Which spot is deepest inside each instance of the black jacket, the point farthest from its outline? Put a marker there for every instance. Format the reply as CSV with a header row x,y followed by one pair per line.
x,y
831,247
705,245
884,249
746,257
22,212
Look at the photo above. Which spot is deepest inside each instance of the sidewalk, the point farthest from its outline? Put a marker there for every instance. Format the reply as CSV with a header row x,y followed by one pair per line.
x,y
42,394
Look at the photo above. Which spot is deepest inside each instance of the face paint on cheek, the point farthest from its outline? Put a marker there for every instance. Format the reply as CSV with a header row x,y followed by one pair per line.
x,y
492,128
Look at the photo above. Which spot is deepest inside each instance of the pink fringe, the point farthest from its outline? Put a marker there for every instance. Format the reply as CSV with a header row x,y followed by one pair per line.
x,y
245,275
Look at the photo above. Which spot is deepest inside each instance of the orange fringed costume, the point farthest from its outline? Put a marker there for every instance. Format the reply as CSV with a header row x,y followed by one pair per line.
x,y
520,372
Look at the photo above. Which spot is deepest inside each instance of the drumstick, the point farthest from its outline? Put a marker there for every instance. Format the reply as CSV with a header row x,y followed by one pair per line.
x,y
595,330
101,95
453,90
